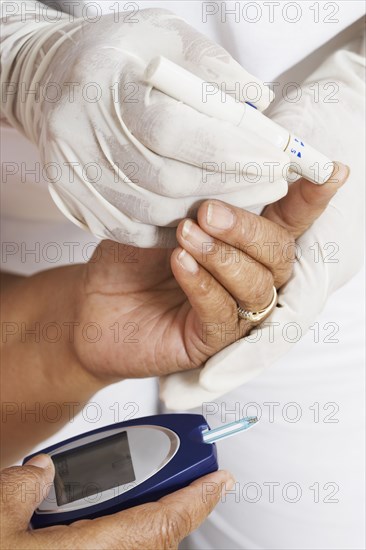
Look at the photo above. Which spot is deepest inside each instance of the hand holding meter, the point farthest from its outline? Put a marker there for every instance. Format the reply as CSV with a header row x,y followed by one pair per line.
x,y
127,464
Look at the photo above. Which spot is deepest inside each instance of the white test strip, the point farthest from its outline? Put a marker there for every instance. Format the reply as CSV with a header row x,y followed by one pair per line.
x,y
227,430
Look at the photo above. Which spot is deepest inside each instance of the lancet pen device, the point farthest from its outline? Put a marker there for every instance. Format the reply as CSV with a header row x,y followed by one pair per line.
x,y
184,86
130,463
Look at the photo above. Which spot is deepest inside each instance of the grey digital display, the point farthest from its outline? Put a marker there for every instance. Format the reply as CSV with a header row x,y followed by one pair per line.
x,y
92,468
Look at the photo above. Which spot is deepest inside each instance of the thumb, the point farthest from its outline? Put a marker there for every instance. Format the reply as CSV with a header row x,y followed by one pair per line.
x,y
23,488
305,201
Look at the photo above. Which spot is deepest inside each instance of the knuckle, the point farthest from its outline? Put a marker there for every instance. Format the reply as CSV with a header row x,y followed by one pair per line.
x,y
223,304
218,302
175,525
282,274
286,238
153,530
285,262
231,259
208,287
249,228
261,290
228,305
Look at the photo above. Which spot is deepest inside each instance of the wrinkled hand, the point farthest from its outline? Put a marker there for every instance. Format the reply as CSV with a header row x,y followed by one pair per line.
x,y
163,312
158,525
278,227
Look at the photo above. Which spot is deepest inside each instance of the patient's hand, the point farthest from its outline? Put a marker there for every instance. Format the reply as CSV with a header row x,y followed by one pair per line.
x,y
162,312
143,312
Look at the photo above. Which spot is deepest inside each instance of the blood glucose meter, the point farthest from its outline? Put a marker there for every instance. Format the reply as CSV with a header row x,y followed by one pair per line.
x,y
129,463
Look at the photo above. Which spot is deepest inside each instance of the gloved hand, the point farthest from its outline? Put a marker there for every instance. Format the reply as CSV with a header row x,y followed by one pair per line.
x,y
123,159
330,251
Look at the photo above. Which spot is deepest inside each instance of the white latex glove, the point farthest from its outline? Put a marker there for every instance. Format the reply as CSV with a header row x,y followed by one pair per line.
x,y
336,235
147,148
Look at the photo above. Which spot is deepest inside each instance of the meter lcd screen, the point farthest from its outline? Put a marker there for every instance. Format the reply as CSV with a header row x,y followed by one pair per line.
x,y
92,468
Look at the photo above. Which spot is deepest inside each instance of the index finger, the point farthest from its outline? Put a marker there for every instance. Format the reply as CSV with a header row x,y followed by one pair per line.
x,y
161,524
196,502
260,239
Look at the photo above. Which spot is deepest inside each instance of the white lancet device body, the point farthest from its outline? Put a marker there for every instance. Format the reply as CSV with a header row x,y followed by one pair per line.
x,y
184,86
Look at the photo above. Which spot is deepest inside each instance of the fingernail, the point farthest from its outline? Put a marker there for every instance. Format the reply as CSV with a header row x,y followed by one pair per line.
x,y
341,172
41,461
219,216
187,262
192,233
186,228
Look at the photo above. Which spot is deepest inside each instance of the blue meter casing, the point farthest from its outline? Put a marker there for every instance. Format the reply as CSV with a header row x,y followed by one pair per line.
x,y
123,465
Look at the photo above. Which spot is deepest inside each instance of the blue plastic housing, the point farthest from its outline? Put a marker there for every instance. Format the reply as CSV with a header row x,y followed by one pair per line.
x,y
193,459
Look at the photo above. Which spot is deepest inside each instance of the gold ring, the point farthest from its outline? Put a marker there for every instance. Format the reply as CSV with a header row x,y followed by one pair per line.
x,y
256,316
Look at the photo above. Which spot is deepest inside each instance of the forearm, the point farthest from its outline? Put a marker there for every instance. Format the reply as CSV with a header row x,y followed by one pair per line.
x,y
42,381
